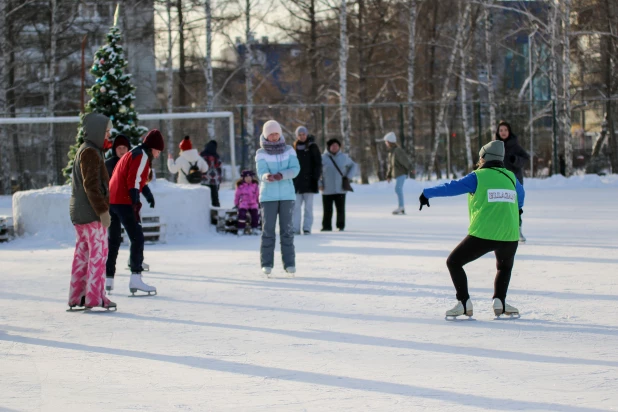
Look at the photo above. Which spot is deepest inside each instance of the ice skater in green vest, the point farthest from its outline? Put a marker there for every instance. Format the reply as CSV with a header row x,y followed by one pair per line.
x,y
495,201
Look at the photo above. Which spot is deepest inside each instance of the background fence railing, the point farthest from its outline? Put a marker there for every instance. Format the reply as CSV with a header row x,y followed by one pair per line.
x,y
30,164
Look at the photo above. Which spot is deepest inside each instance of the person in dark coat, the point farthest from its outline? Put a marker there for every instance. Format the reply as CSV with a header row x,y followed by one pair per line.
x,y
306,183
120,147
515,158
212,178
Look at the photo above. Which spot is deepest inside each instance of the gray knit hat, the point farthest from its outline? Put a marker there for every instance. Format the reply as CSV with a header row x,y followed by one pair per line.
x,y
493,150
301,129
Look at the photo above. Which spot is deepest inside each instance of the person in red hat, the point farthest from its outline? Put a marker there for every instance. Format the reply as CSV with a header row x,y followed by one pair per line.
x,y
190,166
120,147
130,176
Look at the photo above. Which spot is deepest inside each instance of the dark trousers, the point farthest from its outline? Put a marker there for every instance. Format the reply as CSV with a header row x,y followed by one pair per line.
x,y
242,218
214,195
327,202
472,248
125,215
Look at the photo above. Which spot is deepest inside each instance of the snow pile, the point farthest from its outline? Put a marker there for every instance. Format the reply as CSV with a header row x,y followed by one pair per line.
x,y
185,209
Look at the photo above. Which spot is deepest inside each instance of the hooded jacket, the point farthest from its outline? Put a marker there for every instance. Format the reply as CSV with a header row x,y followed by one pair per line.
x,y
247,195
310,161
214,174
285,163
89,178
515,157
398,163
184,162
331,180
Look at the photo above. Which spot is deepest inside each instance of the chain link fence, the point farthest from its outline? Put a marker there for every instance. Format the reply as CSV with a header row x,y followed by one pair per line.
x,y
38,152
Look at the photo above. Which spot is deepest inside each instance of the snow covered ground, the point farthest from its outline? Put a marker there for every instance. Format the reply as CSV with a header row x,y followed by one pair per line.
x,y
361,328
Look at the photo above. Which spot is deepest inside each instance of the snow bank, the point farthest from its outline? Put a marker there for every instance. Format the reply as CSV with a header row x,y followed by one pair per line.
x,y
185,209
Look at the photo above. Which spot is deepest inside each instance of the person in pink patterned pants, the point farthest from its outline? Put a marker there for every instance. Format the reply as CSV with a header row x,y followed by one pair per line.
x,y
89,210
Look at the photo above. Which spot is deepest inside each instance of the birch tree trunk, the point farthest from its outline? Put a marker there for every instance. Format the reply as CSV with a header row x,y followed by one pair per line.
x,y
411,60
553,77
489,68
343,73
566,79
249,126
170,79
464,111
182,73
313,50
51,173
5,164
445,90
210,93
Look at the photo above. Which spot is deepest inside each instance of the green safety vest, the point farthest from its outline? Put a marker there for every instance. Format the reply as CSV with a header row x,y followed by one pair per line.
x,y
493,209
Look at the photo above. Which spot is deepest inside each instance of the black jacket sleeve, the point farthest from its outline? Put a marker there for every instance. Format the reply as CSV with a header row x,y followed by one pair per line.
x,y
316,162
519,157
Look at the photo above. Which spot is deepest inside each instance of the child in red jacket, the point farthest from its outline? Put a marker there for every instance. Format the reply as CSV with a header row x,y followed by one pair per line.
x,y
131,174
247,200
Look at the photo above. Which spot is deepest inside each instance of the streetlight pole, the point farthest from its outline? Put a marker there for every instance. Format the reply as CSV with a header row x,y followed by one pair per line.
x,y
531,97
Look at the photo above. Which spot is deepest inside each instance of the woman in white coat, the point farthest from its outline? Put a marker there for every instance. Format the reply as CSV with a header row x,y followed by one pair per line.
x,y
190,165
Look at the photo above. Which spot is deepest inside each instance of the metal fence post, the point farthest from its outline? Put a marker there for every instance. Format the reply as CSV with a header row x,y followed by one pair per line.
x,y
323,121
480,124
401,126
243,146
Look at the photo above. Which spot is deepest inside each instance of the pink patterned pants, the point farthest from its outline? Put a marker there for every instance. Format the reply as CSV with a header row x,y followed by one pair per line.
x,y
88,272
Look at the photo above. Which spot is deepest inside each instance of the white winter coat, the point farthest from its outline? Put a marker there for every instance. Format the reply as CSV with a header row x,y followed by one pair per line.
x,y
184,162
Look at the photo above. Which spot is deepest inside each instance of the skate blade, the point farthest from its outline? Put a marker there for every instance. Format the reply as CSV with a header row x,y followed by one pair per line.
x,y
95,309
133,294
453,318
507,316
76,309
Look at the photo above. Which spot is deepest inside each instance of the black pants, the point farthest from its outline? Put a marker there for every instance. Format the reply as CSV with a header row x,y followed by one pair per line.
x,y
327,202
472,248
125,215
242,218
214,195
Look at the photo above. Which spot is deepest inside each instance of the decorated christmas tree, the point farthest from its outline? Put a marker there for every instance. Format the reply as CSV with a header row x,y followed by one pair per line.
x,y
112,95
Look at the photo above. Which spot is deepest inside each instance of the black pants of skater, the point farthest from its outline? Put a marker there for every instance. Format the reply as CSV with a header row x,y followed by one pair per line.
x,y
242,218
125,215
327,219
472,248
214,195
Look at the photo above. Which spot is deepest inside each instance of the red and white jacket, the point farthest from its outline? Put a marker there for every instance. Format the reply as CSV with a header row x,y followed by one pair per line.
x,y
130,174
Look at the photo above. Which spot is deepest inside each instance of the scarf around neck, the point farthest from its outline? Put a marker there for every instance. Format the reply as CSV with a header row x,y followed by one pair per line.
x,y
273,148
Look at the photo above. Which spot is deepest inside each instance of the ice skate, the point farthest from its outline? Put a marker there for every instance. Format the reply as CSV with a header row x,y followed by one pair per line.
x,y
109,305
522,238
136,283
145,266
267,271
307,232
459,310
399,211
241,232
291,270
109,284
78,307
509,310
256,232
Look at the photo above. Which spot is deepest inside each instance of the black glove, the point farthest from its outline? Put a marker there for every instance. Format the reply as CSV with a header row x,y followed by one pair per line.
x,y
424,201
521,211
149,197
134,194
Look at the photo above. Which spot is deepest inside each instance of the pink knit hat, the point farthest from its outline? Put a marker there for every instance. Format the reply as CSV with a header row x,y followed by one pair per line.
x,y
271,127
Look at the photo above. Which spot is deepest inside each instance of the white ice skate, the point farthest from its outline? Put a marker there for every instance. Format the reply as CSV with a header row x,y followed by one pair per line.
x,y
267,271
109,284
522,238
459,310
291,270
136,283
256,232
512,311
399,211
145,266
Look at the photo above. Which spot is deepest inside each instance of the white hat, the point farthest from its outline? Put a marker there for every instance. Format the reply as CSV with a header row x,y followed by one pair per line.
x,y
390,137
271,127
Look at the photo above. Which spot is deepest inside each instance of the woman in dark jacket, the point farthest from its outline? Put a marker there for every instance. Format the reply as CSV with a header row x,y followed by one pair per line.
x,y
306,183
212,178
515,157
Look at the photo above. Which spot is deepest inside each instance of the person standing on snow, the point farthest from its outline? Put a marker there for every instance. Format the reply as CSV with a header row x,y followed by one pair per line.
x,y
247,200
212,178
89,211
515,157
190,166
276,165
335,166
120,147
495,201
306,183
398,169
130,176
